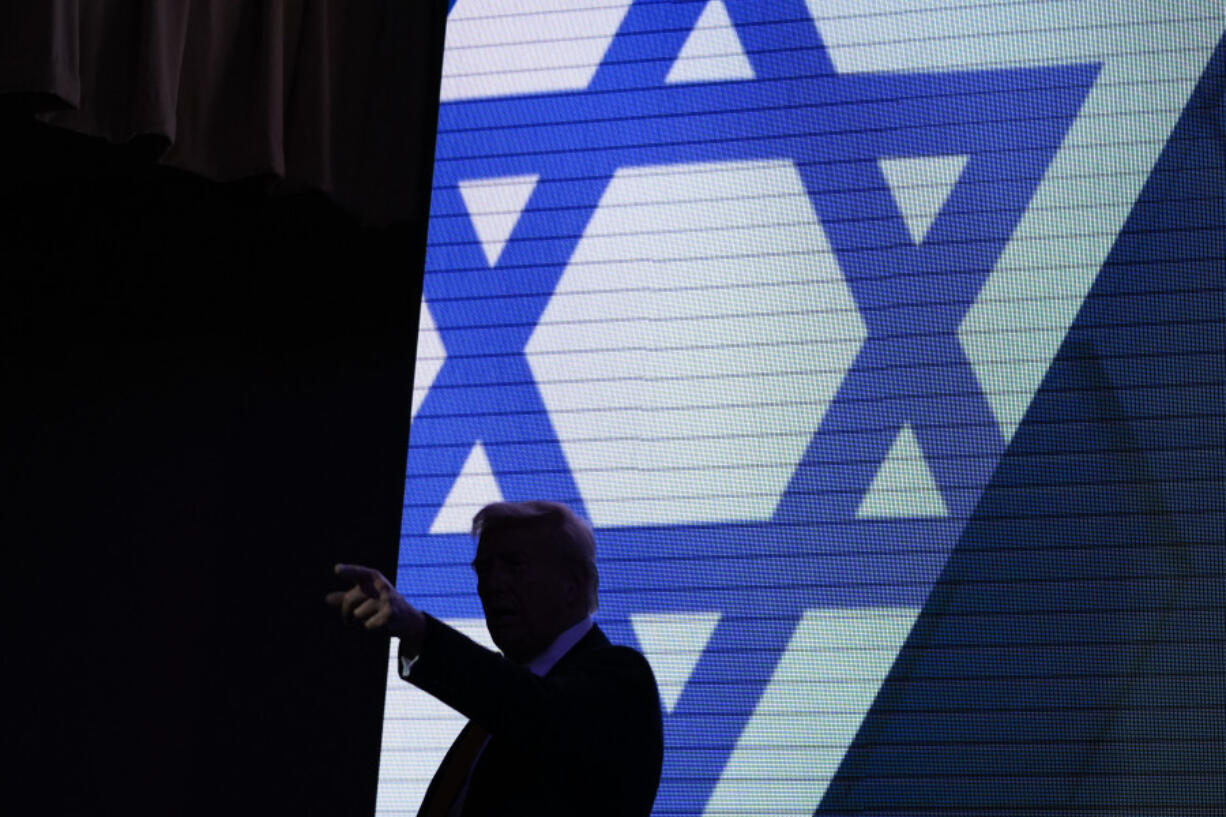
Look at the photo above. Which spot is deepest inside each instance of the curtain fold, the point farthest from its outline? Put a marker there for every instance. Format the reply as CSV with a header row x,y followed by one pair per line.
x,y
327,94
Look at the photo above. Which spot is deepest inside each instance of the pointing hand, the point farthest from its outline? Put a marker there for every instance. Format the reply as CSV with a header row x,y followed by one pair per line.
x,y
374,602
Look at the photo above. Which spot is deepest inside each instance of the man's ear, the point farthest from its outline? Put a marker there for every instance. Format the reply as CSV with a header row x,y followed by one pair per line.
x,y
572,587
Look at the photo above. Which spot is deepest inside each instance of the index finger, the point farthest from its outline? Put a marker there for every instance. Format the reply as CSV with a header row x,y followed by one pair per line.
x,y
358,574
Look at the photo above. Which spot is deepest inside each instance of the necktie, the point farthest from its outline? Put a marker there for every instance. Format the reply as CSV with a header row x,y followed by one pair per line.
x,y
453,774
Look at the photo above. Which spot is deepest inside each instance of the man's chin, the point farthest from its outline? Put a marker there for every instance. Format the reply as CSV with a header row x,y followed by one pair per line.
x,y
511,641
503,633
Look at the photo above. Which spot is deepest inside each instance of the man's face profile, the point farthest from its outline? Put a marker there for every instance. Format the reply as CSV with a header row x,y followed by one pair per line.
x,y
527,590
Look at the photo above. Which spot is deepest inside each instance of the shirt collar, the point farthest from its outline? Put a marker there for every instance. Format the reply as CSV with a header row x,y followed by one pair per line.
x,y
561,645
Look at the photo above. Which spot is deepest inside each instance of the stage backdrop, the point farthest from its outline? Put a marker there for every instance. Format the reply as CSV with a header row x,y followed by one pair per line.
x,y
766,292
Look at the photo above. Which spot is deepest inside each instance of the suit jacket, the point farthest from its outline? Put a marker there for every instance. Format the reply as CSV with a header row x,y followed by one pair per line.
x,y
586,739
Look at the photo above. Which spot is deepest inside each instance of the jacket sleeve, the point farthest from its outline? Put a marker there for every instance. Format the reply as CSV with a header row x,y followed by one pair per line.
x,y
603,697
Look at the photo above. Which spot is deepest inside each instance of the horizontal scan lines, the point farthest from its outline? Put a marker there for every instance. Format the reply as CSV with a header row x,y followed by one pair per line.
x,y
540,9
766,88
766,144
1085,390
949,489
1086,171
1130,88
877,248
620,289
919,333
1111,31
734,556
1073,207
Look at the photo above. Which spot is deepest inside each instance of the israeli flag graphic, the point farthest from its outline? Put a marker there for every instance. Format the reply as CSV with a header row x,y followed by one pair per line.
x,y
762,290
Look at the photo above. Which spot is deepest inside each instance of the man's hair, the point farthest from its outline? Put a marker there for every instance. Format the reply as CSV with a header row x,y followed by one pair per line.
x,y
570,535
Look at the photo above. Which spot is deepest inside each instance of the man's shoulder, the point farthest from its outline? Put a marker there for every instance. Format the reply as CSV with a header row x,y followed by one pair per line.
x,y
614,654
595,652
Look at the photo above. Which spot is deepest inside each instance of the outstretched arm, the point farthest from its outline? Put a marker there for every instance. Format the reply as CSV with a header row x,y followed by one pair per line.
x,y
606,696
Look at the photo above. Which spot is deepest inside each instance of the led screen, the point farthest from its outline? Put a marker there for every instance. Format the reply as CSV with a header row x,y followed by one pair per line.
x,y
763,290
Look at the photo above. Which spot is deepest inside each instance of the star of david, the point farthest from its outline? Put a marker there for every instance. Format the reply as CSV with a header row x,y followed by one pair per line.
x,y
910,370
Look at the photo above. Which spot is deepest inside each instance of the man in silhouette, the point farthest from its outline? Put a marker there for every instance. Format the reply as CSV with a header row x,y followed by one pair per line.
x,y
562,722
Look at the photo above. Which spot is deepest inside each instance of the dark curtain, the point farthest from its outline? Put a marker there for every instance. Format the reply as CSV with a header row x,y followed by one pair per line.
x,y
311,94
212,230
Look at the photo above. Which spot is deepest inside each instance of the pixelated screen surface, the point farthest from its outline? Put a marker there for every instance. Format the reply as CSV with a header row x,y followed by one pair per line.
x,y
762,290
